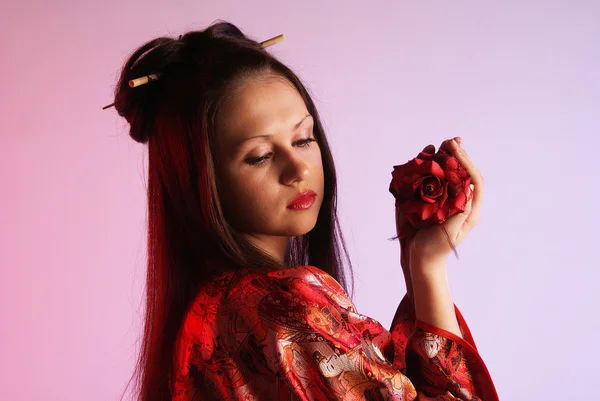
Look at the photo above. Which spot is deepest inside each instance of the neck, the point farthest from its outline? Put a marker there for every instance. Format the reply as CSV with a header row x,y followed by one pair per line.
x,y
276,246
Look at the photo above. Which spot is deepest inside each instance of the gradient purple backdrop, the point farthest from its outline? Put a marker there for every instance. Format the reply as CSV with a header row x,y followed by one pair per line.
x,y
519,81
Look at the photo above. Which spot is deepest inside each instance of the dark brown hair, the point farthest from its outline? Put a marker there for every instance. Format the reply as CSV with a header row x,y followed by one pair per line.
x,y
187,227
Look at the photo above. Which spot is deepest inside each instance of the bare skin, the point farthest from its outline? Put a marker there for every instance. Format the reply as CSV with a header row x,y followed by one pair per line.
x,y
291,164
425,256
266,121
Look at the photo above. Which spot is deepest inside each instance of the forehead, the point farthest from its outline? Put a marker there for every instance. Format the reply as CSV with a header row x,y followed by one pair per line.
x,y
262,105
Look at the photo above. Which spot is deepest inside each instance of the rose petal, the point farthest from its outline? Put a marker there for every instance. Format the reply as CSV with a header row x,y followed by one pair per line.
x,y
429,167
440,158
454,190
409,206
429,187
445,147
408,173
402,178
458,204
429,210
436,189
428,200
414,221
467,183
404,169
428,153
417,222
450,164
443,213
453,178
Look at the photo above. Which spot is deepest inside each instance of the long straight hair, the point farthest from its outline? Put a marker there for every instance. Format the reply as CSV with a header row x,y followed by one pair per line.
x,y
189,237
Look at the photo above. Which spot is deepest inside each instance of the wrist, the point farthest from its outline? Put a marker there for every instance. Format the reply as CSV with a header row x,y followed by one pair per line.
x,y
428,267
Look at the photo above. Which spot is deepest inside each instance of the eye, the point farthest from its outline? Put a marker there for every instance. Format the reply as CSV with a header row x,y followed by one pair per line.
x,y
304,143
259,161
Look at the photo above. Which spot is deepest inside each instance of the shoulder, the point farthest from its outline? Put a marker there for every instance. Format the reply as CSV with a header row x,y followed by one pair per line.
x,y
245,311
300,283
232,286
245,296
241,316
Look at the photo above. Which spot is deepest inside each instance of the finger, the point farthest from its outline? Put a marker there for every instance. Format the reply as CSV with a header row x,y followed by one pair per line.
x,y
470,191
465,161
467,226
456,225
429,149
474,214
476,180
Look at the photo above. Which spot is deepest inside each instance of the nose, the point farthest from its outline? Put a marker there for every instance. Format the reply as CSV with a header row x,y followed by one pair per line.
x,y
295,169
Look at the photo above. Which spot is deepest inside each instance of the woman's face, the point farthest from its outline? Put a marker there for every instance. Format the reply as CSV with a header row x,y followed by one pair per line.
x,y
267,155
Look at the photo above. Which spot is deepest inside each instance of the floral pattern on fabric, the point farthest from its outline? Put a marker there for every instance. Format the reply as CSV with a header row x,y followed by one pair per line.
x,y
294,334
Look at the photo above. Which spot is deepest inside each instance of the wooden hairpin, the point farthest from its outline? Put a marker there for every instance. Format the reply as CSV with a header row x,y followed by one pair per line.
x,y
153,77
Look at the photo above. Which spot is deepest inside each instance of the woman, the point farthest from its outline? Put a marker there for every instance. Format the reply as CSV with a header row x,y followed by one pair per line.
x,y
246,291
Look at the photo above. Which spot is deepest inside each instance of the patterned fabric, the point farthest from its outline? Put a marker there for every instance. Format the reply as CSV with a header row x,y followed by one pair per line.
x,y
294,334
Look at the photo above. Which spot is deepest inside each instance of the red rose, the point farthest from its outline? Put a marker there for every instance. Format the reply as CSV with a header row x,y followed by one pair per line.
x,y
430,188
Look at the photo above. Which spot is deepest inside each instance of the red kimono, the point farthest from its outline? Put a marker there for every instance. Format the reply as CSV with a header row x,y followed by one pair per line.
x,y
294,334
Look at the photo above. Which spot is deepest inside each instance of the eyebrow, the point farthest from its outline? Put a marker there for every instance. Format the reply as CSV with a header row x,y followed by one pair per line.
x,y
268,136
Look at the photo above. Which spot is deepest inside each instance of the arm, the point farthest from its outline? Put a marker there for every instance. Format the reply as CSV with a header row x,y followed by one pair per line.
x,y
432,298
439,354
440,363
432,341
424,254
428,289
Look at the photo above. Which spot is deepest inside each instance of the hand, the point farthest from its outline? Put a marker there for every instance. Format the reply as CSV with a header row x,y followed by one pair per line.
x,y
431,246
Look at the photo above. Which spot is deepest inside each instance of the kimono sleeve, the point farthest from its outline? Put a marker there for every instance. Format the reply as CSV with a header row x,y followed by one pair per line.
x,y
298,336
437,361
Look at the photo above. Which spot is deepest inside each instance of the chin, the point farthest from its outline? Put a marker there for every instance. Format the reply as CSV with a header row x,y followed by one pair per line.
x,y
300,225
299,233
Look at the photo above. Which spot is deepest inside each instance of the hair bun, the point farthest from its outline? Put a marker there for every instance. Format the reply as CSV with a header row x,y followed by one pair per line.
x,y
137,104
225,30
163,55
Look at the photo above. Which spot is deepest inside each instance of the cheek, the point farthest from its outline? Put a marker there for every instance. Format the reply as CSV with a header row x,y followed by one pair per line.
x,y
319,173
315,161
250,190
243,200
317,157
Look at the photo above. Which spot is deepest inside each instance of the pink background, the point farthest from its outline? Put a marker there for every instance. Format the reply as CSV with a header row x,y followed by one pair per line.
x,y
518,80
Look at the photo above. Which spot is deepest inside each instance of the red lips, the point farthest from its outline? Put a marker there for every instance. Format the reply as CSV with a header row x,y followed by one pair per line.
x,y
304,200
